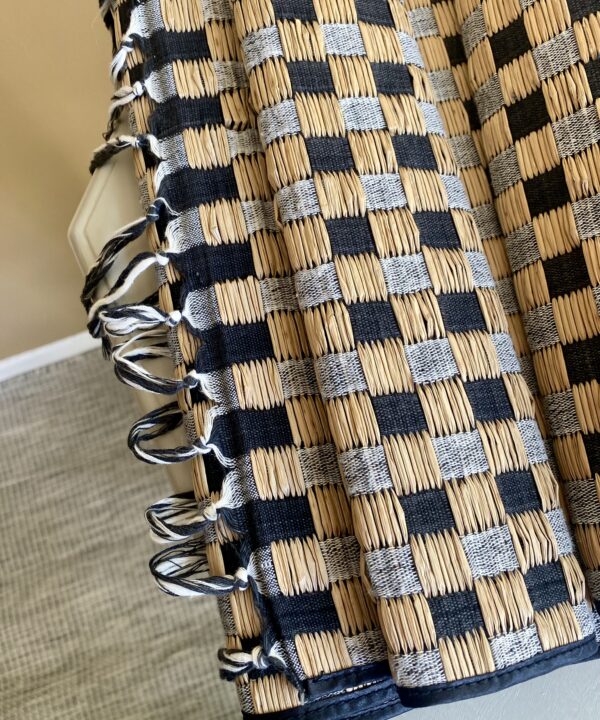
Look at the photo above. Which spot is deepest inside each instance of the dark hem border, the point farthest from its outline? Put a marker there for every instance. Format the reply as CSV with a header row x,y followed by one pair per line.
x,y
374,702
357,676
493,682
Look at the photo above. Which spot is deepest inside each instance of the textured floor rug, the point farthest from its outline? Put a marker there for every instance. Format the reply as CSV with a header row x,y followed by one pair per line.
x,y
84,632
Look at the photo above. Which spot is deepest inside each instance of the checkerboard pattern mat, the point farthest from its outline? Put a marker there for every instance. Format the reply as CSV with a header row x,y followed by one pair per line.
x,y
535,72
428,412
437,32
392,495
246,334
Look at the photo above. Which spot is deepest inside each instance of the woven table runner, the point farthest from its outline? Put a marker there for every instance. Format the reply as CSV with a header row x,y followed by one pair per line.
x,y
365,360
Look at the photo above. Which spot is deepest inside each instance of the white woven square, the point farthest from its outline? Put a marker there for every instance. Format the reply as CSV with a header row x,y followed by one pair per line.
x,y
365,470
490,552
431,360
460,455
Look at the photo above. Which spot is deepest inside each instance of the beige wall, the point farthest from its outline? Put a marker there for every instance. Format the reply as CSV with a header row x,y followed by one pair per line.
x,y
54,87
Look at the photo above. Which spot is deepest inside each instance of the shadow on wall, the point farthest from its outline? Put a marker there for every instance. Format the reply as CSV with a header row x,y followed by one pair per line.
x,y
55,90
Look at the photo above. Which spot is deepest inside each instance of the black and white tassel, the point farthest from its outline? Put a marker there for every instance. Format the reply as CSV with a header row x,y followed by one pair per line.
x,y
153,425
117,243
123,320
124,282
182,516
234,663
167,516
157,423
122,97
183,571
120,57
134,33
114,146
127,357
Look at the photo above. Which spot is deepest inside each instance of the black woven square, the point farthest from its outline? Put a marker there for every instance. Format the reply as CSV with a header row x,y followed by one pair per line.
x,y
581,359
329,154
294,10
234,344
546,586
373,321
374,11
461,312
304,613
527,115
399,413
566,273
546,191
510,42
456,613
391,79
427,512
489,400
310,77
350,235
436,230
518,491
414,151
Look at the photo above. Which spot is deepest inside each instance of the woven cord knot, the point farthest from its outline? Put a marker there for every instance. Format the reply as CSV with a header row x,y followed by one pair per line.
x,y
238,662
182,570
181,517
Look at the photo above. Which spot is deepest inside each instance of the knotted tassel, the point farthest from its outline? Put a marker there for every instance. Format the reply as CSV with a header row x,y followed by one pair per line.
x,y
114,146
122,96
126,319
182,516
157,423
134,33
118,242
126,279
183,571
127,357
237,662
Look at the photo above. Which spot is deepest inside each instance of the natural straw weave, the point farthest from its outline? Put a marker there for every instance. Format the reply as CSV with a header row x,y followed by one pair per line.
x,y
398,391
436,29
535,74
313,554
393,499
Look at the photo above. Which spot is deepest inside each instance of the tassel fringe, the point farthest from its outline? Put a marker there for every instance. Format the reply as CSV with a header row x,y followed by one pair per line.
x,y
183,571
136,333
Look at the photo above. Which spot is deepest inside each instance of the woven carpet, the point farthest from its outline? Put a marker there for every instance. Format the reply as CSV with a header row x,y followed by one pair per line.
x,y
84,632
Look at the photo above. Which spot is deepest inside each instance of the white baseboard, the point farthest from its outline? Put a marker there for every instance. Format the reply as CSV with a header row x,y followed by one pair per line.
x,y
47,355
